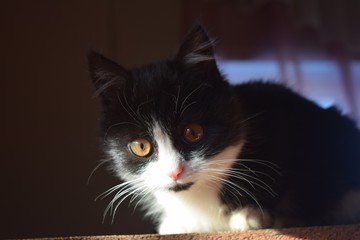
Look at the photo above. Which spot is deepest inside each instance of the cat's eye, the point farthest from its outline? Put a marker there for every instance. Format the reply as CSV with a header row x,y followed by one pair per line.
x,y
193,132
141,147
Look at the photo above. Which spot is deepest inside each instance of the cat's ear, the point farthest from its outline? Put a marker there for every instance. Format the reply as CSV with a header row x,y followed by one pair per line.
x,y
106,75
197,47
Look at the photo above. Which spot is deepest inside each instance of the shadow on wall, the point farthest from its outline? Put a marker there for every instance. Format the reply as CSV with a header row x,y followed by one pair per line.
x,y
49,143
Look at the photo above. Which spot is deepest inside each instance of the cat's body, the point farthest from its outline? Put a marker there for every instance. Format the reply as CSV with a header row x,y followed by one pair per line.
x,y
200,155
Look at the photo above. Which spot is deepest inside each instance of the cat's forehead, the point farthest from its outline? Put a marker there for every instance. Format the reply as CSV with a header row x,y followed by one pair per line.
x,y
154,74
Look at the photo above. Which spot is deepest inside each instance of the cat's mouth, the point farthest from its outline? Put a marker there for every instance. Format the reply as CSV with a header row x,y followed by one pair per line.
x,y
181,187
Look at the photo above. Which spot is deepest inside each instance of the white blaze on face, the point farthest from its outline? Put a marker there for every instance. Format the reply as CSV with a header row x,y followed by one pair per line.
x,y
158,173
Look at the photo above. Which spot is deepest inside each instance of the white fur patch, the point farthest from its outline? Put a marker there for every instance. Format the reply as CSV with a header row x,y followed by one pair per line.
x,y
198,209
249,218
156,174
195,210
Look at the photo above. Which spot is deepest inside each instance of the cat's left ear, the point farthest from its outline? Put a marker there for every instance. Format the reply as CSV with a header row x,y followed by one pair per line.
x,y
196,48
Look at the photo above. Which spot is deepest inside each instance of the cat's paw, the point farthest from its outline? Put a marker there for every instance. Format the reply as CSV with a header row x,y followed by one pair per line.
x,y
168,226
249,218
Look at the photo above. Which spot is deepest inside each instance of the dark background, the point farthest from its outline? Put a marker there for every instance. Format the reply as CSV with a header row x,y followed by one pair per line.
x,y
49,143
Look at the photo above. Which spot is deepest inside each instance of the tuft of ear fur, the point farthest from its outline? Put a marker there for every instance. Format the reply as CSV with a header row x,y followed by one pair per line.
x,y
197,47
105,73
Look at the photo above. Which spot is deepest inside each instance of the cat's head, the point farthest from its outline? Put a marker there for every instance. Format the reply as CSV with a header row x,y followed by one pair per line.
x,y
165,124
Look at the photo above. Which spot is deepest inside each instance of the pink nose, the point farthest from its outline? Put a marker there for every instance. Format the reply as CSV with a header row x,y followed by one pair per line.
x,y
175,175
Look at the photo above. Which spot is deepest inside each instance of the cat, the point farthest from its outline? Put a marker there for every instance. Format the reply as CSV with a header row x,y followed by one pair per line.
x,y
201,155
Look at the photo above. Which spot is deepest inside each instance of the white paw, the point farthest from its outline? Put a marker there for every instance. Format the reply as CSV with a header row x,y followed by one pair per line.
x,y
249,218
167,226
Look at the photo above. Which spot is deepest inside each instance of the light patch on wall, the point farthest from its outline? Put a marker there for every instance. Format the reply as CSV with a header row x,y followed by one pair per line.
x,y
320,80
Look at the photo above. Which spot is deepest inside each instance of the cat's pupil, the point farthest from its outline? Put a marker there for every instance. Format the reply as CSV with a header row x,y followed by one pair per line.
x,y
141,147
193,133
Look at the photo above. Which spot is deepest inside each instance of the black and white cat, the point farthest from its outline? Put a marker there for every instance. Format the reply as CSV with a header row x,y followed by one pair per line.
x,y
201,155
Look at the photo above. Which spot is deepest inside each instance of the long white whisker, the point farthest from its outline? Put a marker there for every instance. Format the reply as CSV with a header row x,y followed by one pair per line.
x,y
220,183
233,174
110,206
113,189
241,161
268,164
234,186
145,194
140,190
121,201
123,189
244,177
229,183
96,168
240,173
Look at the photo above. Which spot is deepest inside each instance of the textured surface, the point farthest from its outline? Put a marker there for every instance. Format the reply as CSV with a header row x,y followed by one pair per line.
x,y
316,233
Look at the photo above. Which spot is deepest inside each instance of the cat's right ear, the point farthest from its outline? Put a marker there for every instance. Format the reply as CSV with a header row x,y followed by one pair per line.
x,y
107,76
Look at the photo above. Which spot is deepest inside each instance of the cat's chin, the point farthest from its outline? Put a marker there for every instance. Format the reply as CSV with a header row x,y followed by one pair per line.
x,y
178,187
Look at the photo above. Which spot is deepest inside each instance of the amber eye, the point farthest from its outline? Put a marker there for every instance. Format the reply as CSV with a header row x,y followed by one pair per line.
x,y
140,147
193,132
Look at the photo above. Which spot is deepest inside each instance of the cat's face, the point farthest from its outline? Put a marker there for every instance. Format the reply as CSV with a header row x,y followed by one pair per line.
x,y
165,124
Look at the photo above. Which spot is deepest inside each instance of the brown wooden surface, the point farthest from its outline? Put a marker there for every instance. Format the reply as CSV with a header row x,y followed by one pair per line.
x,y
351,232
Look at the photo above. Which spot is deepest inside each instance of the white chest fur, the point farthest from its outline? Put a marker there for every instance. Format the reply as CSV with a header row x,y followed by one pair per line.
x,y
196,210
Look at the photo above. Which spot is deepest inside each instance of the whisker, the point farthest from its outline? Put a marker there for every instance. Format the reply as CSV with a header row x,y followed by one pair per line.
x,y
234,186
132,114
135,189
251,117
132,199
244,172
141,104
114,188
187,106
177,99
191,93
257,182
117,124
145,194
264,162
240,161
110,206
234,174
239,175
128,105
220,184
94,170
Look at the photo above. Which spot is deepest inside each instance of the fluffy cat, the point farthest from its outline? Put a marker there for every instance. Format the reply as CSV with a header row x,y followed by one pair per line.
x,y
201,155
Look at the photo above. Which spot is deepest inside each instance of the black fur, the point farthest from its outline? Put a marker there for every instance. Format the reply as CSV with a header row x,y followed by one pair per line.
x,y
316,150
